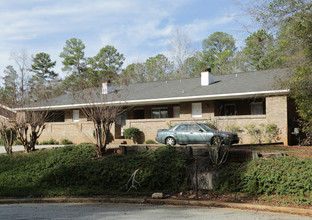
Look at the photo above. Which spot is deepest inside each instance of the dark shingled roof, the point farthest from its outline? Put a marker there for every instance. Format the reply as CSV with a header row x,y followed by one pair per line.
x,y
189,89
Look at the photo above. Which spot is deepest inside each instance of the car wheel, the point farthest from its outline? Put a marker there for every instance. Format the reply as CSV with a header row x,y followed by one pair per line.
x,y
216,141
170,141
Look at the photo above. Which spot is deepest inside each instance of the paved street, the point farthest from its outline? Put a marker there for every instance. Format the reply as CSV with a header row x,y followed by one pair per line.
x,y
129,211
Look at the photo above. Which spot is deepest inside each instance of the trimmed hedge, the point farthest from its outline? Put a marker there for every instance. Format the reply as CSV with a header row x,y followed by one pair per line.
x,y
75,171
287,177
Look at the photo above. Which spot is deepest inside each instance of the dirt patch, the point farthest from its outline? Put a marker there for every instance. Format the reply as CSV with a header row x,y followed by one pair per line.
x,y
241,198
296,151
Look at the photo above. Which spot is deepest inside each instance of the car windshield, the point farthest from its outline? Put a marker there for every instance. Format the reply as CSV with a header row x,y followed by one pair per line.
x,y
205,127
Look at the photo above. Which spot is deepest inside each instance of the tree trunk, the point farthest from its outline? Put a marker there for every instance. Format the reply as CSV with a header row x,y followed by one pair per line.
x,y
26,149
33,139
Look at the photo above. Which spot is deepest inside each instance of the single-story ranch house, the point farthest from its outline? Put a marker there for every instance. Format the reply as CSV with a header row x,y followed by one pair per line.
x,y
233,99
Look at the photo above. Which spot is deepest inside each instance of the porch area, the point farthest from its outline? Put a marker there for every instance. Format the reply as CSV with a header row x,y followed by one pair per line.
x,y
223,114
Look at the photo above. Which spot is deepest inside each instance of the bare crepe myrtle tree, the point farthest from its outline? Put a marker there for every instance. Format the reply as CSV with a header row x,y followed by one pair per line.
x,y
218,152
29,125
101,106
7,131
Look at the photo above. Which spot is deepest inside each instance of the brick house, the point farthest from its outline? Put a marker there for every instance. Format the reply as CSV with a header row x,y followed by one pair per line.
x,y
233,99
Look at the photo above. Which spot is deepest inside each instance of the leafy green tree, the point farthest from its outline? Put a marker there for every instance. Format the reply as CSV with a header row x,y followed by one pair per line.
x,y
42,66
105,65
218,50
74,63
73,56
158,68
300,85
291,20
10,90
260,51
108,60
44,82
193,65
133,73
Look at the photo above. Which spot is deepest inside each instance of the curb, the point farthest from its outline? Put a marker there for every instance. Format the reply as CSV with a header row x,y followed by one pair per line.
x,y
203,203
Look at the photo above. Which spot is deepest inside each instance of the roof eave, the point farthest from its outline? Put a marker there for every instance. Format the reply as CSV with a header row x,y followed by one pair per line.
x,y
164,100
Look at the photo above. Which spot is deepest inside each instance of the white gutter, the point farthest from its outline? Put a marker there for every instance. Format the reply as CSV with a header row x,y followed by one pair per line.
x,y
162,100
7,108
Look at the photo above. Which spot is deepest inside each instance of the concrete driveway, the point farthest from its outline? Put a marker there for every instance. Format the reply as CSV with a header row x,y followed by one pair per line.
x,y
17,148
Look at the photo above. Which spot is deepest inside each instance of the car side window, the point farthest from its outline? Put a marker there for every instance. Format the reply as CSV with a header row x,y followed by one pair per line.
x,y
194,127
182,128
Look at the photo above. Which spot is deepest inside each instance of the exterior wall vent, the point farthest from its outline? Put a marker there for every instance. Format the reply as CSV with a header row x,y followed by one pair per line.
x,y
206,78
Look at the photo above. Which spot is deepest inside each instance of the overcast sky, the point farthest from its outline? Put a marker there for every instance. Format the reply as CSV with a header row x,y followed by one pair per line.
x,y
137,28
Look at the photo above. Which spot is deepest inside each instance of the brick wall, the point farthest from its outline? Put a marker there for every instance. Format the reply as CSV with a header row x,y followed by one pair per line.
x,y
82,131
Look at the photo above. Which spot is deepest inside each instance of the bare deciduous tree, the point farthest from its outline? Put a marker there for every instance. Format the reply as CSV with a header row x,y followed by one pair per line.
x,y
29,125
102,108
218,152
22,60
7,130
180,46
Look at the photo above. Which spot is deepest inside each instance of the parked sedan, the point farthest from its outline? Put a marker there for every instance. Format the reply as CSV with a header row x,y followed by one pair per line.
x,y
195,133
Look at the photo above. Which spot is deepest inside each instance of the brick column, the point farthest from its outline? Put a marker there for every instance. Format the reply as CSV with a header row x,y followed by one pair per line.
x,y
276,112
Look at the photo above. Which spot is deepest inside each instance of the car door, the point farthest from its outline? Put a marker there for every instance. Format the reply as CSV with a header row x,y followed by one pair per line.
x,y
181,134
197,135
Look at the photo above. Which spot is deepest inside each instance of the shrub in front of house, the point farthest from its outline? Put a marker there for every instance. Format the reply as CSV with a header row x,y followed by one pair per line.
x,y
232,128
65,141
75,170
150,142
133,133
211,125
49,142
286,178
264,133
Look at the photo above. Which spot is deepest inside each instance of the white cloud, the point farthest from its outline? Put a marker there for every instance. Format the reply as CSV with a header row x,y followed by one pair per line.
x,y
137,28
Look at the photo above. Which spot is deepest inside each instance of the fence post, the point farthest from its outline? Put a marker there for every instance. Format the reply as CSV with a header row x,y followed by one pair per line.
x,y
123,149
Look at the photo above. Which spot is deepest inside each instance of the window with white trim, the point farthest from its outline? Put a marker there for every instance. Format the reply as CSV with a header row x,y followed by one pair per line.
x,y
75,115
196,110
160,112
257,108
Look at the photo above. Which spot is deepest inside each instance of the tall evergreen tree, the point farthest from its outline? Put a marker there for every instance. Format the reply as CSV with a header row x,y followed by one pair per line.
x,y
218,50
10,90
105,65
73,56
291,21
42,66
74,62
260,52
158,68
44,82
